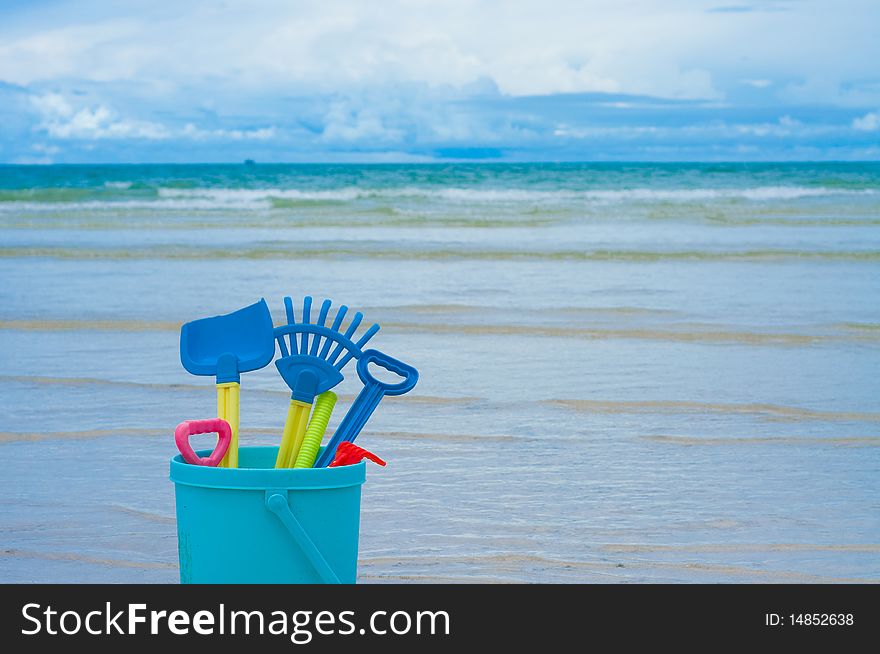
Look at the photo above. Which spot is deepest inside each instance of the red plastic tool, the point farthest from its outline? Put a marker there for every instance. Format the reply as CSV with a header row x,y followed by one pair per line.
x,y
348,454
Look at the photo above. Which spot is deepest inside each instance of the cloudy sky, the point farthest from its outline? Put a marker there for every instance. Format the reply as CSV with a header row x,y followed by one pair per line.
x,y
422,80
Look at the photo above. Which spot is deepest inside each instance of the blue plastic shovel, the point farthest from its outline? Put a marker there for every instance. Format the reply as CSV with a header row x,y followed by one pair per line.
x,y
226,346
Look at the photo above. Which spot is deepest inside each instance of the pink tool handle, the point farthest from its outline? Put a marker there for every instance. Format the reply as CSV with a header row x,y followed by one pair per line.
x,y
212,425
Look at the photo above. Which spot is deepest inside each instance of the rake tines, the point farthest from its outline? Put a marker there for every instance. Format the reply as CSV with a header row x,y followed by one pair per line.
x,y
287,336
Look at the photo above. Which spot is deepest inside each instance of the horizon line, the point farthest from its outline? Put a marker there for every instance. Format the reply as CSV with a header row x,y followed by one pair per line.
x,y
448,162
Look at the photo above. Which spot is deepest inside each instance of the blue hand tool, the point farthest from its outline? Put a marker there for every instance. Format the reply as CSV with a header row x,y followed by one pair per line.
x,y
368,399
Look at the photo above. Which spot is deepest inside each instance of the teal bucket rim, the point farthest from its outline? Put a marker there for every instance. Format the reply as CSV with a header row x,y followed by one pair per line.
x,y
265,478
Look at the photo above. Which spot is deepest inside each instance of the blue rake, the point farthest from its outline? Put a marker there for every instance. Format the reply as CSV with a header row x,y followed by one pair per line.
x,y
312,358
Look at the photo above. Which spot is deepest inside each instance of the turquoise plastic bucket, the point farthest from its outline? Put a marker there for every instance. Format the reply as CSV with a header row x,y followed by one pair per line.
x,y
256,524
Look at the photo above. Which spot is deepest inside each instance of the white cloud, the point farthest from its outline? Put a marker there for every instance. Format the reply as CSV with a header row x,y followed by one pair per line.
x,y
48,150
786,126
626,131
870,122
757,83
259,134
673,49
60,120
526,48
345,123
30,160
52,104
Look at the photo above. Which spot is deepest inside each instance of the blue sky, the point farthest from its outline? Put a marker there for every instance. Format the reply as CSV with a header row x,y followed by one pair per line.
x,y
421,80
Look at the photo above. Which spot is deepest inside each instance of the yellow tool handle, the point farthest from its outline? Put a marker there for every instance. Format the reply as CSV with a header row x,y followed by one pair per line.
x,y
294,430
228,409
299,432
308,452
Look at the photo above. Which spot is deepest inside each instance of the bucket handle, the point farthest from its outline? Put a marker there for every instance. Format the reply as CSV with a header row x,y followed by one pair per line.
x,y
276,501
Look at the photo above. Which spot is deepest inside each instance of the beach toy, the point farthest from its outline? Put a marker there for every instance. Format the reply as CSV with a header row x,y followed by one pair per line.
x,y
310,368
368,399
348,454
212,425
311,443
255,524
225,346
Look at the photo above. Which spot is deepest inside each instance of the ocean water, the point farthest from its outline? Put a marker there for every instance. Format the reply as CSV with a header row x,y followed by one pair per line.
x,y
630,372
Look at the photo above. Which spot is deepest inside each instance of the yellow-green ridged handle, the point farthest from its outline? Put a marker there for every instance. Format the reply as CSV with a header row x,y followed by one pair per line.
x,y
311,443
